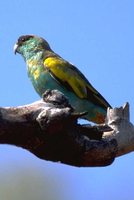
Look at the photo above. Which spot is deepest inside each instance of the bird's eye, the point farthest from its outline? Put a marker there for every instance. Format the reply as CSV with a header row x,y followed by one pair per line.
x,y
23,39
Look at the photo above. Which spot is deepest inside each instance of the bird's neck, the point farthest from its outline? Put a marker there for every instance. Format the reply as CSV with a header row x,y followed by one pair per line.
x,y
32,55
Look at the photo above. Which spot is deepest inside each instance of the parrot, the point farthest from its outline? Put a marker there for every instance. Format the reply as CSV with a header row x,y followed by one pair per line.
x,y
49,71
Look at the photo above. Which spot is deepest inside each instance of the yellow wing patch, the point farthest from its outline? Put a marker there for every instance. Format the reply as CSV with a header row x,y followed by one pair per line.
x,y
63,71
71,76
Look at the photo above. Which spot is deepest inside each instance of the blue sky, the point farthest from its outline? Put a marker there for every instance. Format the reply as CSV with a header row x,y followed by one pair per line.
x,y
96,36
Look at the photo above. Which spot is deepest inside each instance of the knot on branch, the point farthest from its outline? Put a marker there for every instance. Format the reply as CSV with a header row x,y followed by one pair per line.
x,y
59,113
57,99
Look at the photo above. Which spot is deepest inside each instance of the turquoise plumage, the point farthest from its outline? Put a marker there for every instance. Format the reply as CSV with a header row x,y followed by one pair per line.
x,y
47,70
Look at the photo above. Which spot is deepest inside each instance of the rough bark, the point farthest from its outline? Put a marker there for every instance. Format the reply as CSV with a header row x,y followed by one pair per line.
x,y
49,129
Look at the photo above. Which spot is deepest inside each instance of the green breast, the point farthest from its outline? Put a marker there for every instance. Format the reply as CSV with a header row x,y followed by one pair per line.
x,y
42,80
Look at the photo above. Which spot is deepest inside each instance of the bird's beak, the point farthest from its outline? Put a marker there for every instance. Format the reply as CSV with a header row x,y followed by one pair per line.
x,y
15,48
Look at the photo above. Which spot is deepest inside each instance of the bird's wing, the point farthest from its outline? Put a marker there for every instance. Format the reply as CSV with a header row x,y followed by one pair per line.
x,y
71,77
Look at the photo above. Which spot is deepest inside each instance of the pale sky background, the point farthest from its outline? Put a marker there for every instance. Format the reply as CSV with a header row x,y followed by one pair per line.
x,y
96,36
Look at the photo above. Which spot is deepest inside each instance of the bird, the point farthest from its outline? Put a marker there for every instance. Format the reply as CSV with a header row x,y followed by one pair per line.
x,y
48,71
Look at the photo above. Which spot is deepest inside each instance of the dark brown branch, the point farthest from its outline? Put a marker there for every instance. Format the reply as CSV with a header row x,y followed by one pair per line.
x,y
50,131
